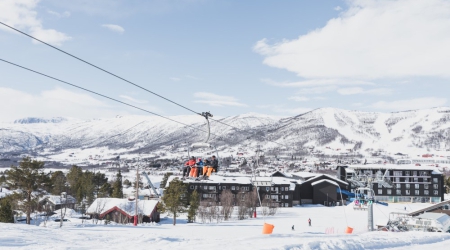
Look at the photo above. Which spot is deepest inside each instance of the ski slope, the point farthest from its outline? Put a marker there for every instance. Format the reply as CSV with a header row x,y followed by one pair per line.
x,y
326,232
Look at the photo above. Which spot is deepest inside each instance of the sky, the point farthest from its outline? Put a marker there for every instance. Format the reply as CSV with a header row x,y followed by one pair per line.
x,y
279,58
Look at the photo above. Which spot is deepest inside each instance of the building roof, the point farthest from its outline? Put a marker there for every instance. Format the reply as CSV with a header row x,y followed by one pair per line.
x,y
441,218
393,167
105,205
328,176
321,181
57,200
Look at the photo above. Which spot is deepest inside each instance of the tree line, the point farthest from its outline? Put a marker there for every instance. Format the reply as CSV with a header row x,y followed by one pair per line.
x,y
30,182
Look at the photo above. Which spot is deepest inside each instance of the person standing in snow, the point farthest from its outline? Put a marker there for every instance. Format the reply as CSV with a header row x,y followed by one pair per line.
x,y
309,221
292,227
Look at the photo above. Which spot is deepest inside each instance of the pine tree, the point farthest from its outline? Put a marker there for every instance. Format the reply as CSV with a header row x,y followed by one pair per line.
x,y
194,203
105,190
174,199
117,186
164,180
75,178
30,177
6,212
58,183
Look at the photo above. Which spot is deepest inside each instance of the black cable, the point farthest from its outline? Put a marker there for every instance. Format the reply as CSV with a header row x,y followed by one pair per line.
x,y
104,96
121,78
104,70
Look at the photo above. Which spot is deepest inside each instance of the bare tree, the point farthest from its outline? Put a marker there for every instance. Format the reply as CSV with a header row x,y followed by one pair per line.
x,y
227,202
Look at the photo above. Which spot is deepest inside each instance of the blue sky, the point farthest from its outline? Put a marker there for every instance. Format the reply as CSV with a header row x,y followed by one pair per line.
x,y
228,57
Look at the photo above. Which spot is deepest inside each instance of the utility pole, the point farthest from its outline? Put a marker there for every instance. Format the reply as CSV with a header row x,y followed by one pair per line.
x,y
137,194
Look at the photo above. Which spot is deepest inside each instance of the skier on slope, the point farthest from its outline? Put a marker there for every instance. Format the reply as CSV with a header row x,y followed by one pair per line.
x,y
309,221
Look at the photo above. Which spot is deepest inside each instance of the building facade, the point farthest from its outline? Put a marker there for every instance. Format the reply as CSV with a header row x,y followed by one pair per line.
x,y
408,183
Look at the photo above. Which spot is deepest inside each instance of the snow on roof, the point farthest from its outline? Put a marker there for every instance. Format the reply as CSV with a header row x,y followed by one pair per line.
x,y
57,200
394,167
442,218
329,176
102,205
329,181
304,174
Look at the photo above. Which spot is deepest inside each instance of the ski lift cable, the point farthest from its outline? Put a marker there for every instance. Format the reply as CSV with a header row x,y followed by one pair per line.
x,y
107,97
121,78
99,68
104,96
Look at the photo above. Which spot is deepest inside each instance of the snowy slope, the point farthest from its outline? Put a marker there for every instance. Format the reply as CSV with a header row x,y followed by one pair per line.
x,y
327,131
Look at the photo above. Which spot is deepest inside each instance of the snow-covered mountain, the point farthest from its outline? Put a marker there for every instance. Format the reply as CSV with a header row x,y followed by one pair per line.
x,y
325,131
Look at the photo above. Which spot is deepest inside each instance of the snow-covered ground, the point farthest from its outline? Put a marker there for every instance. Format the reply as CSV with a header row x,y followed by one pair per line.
x,y
326,232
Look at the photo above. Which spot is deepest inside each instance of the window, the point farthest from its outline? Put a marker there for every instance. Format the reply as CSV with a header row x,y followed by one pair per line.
x,y
237,187
407,179
286,204
423,173
426,192
435,192
407,192
192,186
425,186
274,197
399,192
205,187
245,188
233,188
398,185
416,186
282,188
407,173
414,173
267,189
397,173
416,179
212,188
389,191
286,197
380,191
435,180
224,187
407,186
417,192
435,186
267,196
205,195
397,179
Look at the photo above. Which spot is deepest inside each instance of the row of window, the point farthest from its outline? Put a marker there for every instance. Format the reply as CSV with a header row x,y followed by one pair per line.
x,y
275,197
415,179
213,188
416,186
408,192
414,173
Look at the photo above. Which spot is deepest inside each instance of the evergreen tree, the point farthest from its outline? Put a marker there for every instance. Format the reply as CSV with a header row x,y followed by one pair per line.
x,y
58,183
105,191
99,180
88,186
75,180
164,180
6,212
174,199
30,177
194,203
117,186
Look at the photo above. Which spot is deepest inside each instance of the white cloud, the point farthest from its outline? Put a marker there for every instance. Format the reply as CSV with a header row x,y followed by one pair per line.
x,y
52,103
59,15
192,77
418,103
338,8
114,27
357,90
284,110
217,100
316,82
299,98
129,98
175,79
305,99
21,14
316,90
372,39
